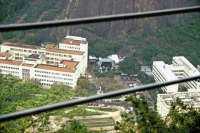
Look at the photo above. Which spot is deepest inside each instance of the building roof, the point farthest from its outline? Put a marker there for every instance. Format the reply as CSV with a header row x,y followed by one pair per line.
x,y
10,62
181,60
186,97
54,68
27,65
115,58
93,58
101,60
5,55
21,45
166,72
71,41
50,45
70,64
65,51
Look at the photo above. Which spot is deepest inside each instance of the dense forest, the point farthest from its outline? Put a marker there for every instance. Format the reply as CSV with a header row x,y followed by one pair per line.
x,y
176,40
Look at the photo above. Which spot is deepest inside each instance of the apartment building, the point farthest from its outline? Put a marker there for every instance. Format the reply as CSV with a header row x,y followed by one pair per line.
x,y
162,73
47,63
188,98
179,68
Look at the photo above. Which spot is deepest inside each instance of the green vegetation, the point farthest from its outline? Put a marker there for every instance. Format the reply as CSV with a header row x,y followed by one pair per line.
x,y
178,40
135,40
130,65
9,8
74,126
88,113
24,11
109,74
108,84
100,47
17,95
149,121
92,92
97,122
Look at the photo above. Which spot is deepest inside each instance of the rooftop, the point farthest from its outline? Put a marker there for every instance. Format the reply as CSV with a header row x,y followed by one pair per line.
x,y
21,45
50,45
71,41
10,62
65,51
70,65
165,70
185,97
27,65
5,55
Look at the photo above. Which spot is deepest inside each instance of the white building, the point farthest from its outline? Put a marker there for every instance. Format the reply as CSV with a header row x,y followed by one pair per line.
x,y
115,58
47,63
188,98
162,73
179,68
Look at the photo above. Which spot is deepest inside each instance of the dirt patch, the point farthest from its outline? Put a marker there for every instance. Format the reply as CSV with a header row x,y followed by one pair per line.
x,y
21,19
99,122
42,15
102,128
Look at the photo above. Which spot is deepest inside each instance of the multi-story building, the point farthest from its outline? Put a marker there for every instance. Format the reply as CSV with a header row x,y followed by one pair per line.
x,y
162,73
188,98
179,68
47,63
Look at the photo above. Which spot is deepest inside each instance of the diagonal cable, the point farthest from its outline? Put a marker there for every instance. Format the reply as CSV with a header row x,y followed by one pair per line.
x,y
16,115
97,19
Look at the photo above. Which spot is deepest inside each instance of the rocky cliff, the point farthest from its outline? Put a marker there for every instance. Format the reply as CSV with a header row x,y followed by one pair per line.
x,y
119,30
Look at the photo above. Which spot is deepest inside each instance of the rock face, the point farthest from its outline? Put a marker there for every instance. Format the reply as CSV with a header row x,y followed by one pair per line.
x,y
119,30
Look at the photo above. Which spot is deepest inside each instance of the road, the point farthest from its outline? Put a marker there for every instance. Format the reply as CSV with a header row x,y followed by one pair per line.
x,y
145,94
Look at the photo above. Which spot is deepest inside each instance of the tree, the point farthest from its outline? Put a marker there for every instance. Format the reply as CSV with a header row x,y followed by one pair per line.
x,y
108,84
162,57
145,79
84,83
194,59
135,40
149,52
130,65
18,95
100,47
148,120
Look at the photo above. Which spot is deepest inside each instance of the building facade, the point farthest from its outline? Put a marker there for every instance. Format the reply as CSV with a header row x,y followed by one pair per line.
x,y
48,63
188,98
179,68
162,73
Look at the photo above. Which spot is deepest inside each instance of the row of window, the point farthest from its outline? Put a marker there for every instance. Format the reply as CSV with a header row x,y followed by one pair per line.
x,y
70,47
23,50
56,54
7,71
9,67
53,73
53,77
45,84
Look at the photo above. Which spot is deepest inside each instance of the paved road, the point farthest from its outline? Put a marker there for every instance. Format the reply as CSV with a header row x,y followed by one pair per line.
x,y
145,94
113,103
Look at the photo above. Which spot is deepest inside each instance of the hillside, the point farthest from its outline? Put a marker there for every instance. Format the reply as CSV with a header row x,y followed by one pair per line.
x,y
139,32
